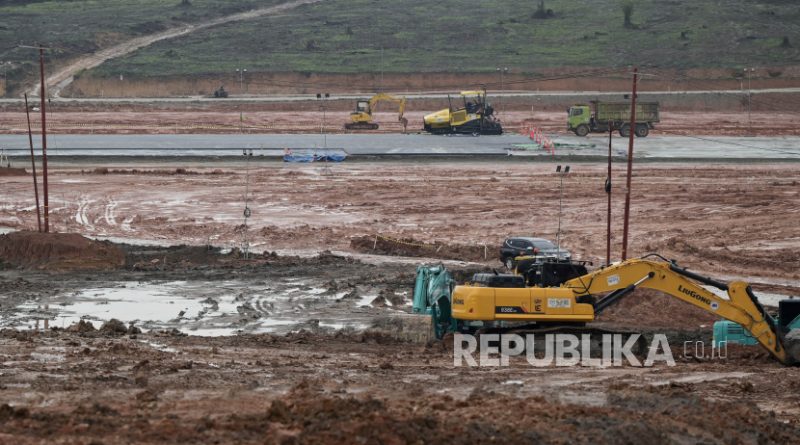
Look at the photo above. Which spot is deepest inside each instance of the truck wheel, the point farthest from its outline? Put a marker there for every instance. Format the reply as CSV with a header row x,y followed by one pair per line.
x,y
582,130
642,130
625,131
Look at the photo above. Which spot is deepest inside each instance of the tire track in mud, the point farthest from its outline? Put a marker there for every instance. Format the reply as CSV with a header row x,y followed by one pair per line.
x,y
82,213
126,224
110,212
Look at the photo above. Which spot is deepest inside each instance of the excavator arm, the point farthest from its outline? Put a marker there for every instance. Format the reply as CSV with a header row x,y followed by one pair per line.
x,y
401,101
741,306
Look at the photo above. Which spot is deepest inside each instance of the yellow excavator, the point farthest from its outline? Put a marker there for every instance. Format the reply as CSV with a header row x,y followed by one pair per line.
x,y
361,118
549,295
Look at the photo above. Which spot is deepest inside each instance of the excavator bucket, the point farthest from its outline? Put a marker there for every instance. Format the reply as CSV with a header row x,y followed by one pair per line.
x,y
792,344
789,326
431,316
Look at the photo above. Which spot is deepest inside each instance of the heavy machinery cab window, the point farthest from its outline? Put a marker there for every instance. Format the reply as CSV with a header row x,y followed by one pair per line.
x,y
576,112
362,105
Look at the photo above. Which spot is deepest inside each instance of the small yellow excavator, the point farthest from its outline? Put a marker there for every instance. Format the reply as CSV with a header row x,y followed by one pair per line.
x,y
553,295
361,118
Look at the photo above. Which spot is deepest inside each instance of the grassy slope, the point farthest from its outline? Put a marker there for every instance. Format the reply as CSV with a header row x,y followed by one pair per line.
x,y
448,35
457,35
75,27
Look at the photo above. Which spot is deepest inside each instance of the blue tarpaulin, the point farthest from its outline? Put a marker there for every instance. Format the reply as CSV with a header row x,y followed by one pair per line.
x,y
315,156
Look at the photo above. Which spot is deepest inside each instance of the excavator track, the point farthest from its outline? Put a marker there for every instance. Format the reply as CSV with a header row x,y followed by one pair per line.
x,y
361,126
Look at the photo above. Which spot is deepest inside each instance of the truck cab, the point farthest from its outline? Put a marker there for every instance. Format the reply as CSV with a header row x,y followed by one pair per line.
x,y
579,115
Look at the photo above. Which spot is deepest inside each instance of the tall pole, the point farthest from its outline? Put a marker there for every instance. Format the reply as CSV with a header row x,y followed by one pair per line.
x,y
44,143
560,206
561,173
323,97
631,131
247,212
33,166
501,71
749,100
241,72
608,192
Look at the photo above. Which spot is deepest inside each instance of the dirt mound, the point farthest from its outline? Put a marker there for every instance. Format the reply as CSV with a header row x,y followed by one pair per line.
x,y
648,308
10,171
380,245
58,252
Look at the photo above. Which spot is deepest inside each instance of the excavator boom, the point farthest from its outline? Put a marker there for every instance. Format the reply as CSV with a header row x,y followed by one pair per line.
x,y
741,306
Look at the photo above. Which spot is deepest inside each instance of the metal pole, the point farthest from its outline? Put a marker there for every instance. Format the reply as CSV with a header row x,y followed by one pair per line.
x,y
560,201
246,202
240,72
608,192
502,87
632,130
560,206
44,143
33,167
500,97
749,100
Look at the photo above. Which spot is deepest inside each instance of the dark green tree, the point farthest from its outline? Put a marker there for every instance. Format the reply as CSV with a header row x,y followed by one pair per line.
x,y
627,10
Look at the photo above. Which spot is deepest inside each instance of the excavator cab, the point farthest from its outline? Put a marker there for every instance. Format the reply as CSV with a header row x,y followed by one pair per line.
x,y
362,114
362,106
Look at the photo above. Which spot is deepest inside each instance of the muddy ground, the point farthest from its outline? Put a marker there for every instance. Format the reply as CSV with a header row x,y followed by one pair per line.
x,y
290,345
729,219
252,119
319,385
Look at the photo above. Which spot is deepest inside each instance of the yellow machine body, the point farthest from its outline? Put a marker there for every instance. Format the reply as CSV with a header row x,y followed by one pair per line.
x,y
565,303
530,304
475,116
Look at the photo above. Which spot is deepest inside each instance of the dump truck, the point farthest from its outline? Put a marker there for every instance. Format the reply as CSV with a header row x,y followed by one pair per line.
x,y
597,116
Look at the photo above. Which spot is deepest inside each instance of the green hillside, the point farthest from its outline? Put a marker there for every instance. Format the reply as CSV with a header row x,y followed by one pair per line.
x,y
409,36
77,27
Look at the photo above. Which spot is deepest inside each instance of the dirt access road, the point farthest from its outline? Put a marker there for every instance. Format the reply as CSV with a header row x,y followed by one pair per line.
x,y
66,74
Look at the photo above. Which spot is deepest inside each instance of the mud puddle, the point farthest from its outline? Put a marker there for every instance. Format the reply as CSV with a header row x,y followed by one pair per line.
x,y
206,308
